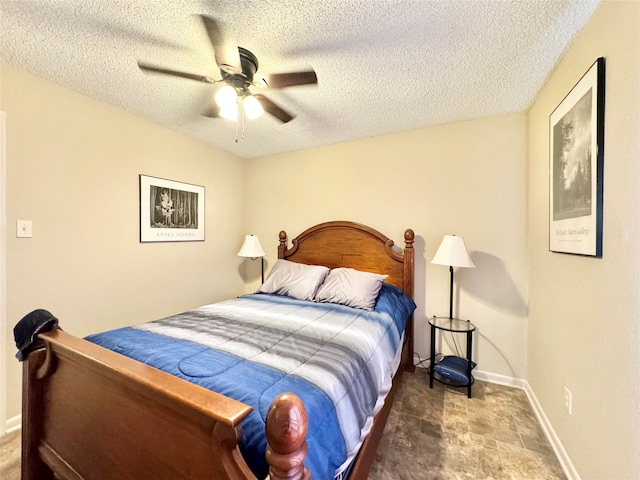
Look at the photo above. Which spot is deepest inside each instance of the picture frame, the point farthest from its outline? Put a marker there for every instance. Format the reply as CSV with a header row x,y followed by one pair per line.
x,y
170,211
576,167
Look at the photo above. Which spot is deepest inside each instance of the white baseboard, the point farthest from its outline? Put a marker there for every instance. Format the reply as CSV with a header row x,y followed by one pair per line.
x,y
569,470
13,424
499,379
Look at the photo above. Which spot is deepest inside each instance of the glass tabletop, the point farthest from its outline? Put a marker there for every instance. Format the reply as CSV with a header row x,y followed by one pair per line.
x,y
452,324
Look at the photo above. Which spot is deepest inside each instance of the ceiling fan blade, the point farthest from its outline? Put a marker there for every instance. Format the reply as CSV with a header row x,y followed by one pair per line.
x,y
273,109
282,80
226,52
175,73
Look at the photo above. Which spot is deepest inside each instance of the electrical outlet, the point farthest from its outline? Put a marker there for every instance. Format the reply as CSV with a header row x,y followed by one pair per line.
x,y
567,400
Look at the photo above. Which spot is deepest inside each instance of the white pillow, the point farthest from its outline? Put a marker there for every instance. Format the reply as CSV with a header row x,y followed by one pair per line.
x,y
350,287
296,280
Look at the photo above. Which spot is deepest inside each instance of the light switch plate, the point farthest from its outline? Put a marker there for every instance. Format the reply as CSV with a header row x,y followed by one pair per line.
x,y
24,229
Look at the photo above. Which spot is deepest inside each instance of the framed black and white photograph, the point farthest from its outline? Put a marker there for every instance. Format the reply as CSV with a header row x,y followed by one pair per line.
x,y
170,211
576,166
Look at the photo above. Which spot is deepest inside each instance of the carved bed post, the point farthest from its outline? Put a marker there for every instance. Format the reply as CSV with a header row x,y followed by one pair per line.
x,y
409,259
286,444
282,246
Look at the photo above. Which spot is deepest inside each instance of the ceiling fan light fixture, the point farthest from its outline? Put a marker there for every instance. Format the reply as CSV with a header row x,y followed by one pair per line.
x,y
238,68
252,107
226,97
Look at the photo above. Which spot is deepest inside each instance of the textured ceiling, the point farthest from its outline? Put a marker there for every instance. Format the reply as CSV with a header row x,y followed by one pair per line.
x,y
383,66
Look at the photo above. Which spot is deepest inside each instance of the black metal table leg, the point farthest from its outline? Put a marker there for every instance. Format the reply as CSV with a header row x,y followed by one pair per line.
x,y
433,355
469,351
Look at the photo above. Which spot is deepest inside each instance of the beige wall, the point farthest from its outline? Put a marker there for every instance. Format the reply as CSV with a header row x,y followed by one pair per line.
x,y
556,320
584,312
72,169
466,179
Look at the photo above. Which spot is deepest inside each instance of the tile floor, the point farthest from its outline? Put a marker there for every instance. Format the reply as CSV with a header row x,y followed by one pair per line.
x,y
10,456
437,434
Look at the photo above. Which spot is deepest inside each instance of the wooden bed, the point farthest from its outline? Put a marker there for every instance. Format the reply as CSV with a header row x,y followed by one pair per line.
x,y
90,413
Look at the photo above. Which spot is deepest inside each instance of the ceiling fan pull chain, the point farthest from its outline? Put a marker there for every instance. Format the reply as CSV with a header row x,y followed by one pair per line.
x,y
241,112
239,105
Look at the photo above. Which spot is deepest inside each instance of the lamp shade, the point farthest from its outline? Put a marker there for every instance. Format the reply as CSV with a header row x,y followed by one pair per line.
x,y
251,247
453,253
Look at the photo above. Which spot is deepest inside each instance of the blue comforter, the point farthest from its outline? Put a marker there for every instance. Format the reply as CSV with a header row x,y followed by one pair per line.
x,y
252,348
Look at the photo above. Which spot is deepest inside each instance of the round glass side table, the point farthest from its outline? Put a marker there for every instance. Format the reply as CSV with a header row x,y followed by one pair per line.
x,y
452,370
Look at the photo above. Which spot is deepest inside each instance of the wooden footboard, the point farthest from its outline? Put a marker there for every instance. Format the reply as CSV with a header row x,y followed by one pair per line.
x,y
89,413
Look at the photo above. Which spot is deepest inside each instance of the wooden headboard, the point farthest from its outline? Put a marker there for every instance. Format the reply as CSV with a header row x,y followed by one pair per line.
x,y
349,244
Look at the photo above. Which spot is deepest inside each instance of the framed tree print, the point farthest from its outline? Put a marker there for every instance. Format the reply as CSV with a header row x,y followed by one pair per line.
x,y
170,211
576,167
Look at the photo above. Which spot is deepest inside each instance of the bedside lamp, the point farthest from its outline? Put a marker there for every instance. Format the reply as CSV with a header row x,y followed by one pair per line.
x,y
453,253
252,249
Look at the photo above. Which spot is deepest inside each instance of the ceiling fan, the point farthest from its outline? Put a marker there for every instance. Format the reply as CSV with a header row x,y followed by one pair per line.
x,y
238,67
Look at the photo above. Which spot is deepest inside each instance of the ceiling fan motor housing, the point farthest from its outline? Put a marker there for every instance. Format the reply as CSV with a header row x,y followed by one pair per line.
x,y
249,63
